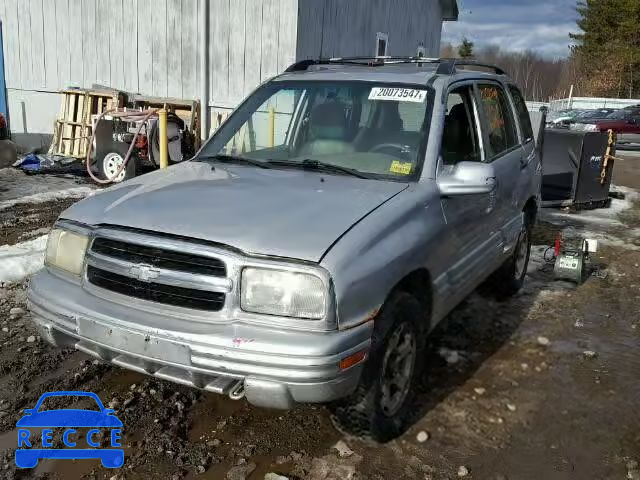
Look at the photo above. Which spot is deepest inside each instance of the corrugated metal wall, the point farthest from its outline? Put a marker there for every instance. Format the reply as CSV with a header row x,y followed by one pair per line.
x,y
146,46
331,28
258,40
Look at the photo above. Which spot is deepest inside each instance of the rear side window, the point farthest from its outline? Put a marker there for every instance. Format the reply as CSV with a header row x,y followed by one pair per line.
x,y
500,124
523,113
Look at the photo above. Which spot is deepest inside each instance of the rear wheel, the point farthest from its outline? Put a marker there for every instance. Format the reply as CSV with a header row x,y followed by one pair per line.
x,y
381,405
509,278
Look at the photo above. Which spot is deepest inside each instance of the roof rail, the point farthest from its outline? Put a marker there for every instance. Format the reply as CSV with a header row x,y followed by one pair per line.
x,y
303,65
446,66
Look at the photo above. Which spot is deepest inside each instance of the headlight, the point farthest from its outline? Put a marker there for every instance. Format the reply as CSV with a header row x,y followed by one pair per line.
x,y
65,250
278,292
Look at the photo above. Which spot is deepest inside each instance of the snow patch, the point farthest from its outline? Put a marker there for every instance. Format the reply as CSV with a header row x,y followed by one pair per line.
x,y
43,197
606,238
18,187
21,260
599,216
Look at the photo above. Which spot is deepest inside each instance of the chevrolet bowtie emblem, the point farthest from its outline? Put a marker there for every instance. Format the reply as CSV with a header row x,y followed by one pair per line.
x,y
144,273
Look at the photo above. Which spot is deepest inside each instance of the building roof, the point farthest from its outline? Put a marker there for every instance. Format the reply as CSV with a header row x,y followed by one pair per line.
x,y
449,10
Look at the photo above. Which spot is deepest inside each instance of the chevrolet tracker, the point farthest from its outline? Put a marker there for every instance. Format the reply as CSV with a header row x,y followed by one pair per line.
x,y
307,250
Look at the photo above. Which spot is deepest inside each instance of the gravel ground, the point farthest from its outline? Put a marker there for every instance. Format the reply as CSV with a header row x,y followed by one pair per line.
x,y
542,386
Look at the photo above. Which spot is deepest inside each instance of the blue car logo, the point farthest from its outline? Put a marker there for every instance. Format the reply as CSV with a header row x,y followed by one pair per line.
x,y
27,455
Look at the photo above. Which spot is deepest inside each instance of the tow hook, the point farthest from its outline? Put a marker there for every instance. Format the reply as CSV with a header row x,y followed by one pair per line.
x,y
237,391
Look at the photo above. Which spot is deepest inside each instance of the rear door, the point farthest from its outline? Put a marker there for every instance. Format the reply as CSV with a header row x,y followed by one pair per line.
x,y
504,151
530,169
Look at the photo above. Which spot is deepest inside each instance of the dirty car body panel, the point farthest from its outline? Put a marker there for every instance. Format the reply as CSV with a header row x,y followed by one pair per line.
x,y
163,278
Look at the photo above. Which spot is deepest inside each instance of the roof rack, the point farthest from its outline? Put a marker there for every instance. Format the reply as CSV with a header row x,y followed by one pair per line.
x,y
446,66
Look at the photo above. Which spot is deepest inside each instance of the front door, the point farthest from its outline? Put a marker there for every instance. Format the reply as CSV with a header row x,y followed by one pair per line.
x,y
504,150
467,216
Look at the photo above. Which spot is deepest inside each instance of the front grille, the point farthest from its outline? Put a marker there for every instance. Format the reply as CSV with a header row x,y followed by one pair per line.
x,y
156,292
158,257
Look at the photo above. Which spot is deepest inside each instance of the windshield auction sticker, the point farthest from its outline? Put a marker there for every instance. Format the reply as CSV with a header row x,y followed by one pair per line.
x,y
398,94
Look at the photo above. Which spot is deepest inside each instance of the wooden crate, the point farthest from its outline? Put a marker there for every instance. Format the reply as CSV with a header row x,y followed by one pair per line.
x,y
73,128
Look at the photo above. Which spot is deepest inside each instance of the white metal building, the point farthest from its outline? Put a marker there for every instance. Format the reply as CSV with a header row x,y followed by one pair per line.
x,y
213,50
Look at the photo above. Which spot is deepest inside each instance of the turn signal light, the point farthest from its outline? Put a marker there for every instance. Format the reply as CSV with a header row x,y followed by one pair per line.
x,y
352,360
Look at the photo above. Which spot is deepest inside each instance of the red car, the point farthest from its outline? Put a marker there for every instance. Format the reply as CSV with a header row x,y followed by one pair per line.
x,y
624,121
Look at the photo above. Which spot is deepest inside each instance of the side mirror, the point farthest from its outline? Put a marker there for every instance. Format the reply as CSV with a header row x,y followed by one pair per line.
x,y
29,411
109,411
468,178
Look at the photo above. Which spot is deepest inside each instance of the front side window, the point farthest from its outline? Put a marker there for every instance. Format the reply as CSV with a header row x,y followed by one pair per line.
x,y
374,129
460,134
500,125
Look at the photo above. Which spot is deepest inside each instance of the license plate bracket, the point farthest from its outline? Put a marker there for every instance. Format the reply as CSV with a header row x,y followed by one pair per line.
x,y
133,342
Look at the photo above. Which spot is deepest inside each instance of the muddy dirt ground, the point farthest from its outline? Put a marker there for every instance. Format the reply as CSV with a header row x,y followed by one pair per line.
x,y
543,386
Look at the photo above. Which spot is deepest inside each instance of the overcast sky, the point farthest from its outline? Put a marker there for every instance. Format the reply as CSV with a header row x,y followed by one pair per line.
x,y
540,25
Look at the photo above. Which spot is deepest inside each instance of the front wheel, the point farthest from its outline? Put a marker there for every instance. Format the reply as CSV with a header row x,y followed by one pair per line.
x,y
381,405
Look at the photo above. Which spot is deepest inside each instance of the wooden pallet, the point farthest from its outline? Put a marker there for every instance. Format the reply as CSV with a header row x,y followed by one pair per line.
x,y
73,128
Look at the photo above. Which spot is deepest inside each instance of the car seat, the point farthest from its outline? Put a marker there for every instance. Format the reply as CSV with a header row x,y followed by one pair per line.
x,y
388,128
457,144
327,131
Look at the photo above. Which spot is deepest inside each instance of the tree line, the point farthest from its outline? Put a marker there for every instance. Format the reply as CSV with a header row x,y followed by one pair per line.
x,y
537,76
604,59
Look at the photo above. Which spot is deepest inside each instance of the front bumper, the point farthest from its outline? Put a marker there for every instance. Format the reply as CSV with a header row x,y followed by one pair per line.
x,y
272,367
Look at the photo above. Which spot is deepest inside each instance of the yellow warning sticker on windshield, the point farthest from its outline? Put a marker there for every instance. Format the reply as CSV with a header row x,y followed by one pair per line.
x,y
401,168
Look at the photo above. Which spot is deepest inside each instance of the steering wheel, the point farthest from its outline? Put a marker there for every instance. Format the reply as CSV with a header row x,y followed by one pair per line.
x,y
405,151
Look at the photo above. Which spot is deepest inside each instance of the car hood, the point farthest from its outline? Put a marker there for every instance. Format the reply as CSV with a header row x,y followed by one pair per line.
x,y
278,212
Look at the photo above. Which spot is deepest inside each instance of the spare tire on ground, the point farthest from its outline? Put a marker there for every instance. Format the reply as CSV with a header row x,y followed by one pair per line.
x,y
8,153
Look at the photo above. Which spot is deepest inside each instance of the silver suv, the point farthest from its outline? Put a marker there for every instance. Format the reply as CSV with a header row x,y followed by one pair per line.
x,y
308,249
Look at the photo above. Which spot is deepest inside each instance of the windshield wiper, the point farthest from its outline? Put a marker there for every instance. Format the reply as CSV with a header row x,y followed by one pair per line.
x,y
221,157
316,165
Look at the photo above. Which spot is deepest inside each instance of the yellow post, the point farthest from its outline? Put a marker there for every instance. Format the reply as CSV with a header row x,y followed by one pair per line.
x,y
272,127
164,142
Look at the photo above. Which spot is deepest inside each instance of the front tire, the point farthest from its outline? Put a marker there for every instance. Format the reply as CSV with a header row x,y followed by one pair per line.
x,y
380,407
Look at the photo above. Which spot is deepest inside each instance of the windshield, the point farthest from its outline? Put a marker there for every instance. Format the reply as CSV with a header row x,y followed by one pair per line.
x,y
594,114
373,129
618,115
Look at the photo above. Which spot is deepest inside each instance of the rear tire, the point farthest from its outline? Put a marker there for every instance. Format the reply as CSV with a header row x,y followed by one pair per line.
x,y
8,153
109,160
381,405
509,278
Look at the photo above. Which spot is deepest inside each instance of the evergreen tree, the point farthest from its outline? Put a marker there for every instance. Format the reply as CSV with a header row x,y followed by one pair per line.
x,y
465,50
608,47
